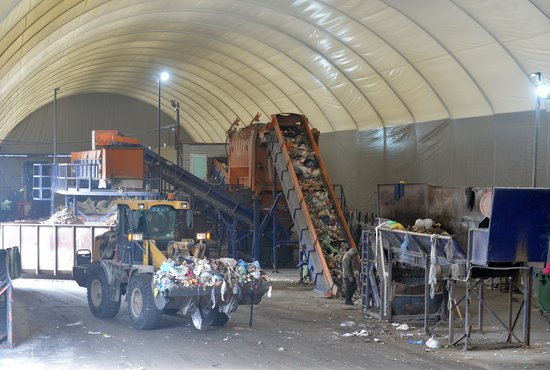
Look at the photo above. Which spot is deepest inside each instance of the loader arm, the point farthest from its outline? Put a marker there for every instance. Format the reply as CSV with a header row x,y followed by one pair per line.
x,y
152,255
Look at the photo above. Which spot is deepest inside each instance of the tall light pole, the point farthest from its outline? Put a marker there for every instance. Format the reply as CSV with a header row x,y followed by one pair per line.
x,y
55,91
164,76
542,91
176,107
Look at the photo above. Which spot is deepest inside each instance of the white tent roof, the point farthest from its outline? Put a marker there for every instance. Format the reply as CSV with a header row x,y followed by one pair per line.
x,y
347,65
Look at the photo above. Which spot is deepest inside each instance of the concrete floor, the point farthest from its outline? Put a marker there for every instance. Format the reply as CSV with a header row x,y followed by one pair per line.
x,y
295,328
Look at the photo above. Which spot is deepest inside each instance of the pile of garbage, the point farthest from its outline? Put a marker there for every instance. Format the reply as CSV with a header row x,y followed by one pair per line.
x,y
428,226
63,217
112,220
204,272
324,217
101,207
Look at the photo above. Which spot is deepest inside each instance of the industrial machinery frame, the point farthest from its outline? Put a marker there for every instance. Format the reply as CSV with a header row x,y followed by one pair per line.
x,y
518,236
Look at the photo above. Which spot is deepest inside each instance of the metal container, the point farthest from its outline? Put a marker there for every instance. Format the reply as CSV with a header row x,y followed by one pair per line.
x,y
49,249
543,292
519,229
448,205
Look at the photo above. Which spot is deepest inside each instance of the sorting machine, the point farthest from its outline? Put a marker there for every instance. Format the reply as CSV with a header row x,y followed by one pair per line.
x,y
516,237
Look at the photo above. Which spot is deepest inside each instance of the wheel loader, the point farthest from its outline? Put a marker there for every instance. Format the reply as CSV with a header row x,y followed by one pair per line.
x,y
123,263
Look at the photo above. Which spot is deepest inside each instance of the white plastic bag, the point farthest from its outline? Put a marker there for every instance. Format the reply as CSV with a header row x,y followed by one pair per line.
x,y
432,343
197,319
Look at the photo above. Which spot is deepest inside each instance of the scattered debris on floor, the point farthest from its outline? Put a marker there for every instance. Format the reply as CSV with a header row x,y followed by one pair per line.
x,y
348,323
403,327
78,323
361,333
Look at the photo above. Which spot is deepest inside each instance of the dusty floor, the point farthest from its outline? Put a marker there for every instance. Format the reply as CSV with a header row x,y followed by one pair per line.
x,y
294,328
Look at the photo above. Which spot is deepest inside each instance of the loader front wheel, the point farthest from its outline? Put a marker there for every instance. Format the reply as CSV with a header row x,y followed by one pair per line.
x,y
99,294
141,303
213,316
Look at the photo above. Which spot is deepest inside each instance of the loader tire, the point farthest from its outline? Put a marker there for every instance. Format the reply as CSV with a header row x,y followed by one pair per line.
x,y
141,304
213,316
99,294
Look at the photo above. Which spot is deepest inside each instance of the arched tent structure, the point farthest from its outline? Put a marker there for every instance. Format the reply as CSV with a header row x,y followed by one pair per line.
x,y
419,90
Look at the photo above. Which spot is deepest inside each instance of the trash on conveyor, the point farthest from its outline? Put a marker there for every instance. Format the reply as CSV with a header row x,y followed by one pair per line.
x,y
196,272
422,226
428,226
323,213
63,217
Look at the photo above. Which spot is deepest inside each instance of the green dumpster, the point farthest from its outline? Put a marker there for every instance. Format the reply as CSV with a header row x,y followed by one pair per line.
x,y
543,292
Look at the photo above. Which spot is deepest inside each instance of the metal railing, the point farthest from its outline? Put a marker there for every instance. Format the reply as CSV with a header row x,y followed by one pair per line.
x,y
76,176
42,182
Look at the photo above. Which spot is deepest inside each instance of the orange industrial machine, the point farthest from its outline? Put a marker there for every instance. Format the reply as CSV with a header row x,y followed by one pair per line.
x,y
110,138
119,159
249,164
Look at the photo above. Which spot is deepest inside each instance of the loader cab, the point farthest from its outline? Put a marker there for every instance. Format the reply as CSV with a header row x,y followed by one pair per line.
x,y
161,221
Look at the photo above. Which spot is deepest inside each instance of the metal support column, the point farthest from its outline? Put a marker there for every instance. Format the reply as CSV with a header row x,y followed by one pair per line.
x,y
452,307
388,300
231,239
256,235
426,294
274,216
55,124
527,290
467,317
366,245
510,306
53,184
480,304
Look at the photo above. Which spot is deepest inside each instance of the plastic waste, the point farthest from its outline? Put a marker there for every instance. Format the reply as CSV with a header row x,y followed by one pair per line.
x,y
362,333
432,343
405,244
425,223
435,268
397,226
347,323
413,341
197,319
403,327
